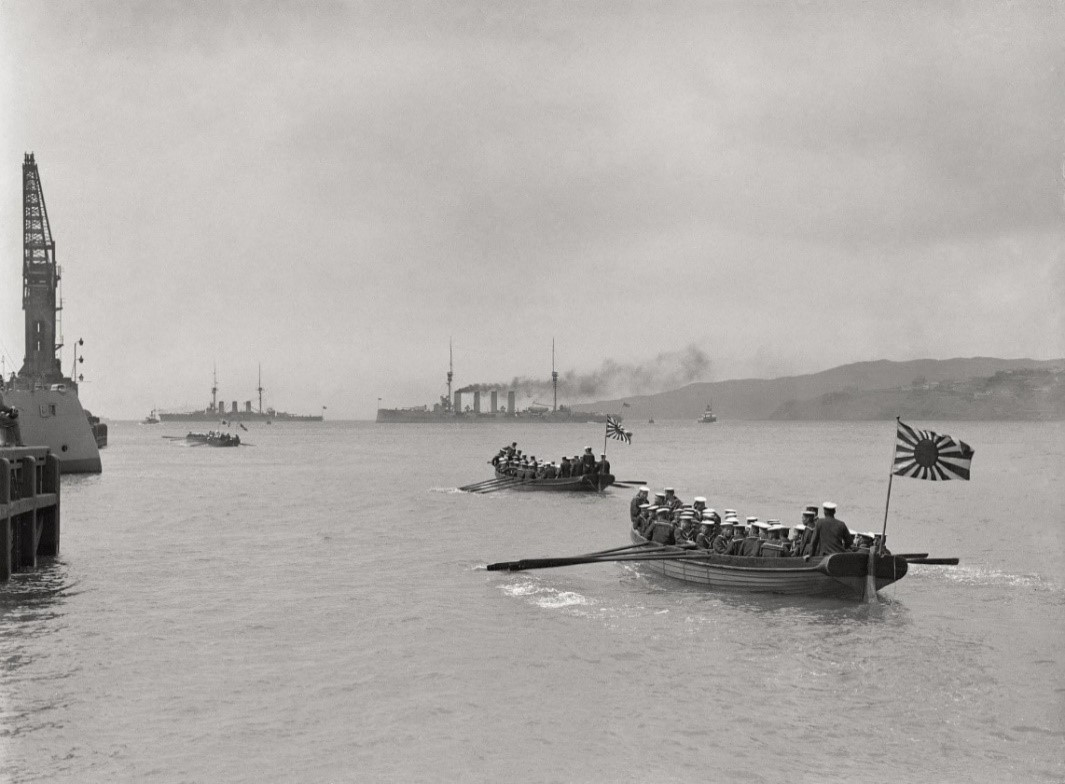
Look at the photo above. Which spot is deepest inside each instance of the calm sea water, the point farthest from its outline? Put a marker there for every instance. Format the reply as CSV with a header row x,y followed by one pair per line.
x,y
314,608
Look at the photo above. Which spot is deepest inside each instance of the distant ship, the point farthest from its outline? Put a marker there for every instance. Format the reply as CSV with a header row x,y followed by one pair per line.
x,y
216,411
50,412
708,416
449,408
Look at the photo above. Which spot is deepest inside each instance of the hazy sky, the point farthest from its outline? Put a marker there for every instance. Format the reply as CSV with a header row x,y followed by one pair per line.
x,y
335,189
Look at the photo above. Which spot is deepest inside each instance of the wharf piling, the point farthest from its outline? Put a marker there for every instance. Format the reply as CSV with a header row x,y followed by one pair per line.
x,y
29,507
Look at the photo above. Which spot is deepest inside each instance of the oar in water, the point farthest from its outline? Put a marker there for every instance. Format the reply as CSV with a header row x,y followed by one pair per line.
x,y
934,561
503,484
485,483
629,482
908,556
577,560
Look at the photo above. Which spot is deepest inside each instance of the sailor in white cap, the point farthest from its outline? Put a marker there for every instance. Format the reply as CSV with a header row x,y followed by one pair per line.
x,y
660,530
773,547
634,504
751,542
704,540
699,505
603,466
672,501
724,539
831,534
588,461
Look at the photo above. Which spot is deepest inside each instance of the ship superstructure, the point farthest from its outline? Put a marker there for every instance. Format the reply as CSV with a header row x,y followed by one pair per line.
x,y
50,413
449,408
216,410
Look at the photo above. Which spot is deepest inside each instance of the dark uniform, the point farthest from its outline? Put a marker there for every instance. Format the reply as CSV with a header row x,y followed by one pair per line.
x,y
588,463
723,542
831,535
750,545
564,468
705,539
603,467
634,505
661,531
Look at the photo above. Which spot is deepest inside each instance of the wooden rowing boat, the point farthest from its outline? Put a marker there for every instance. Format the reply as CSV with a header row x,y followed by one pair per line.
x,y
595,483
840,574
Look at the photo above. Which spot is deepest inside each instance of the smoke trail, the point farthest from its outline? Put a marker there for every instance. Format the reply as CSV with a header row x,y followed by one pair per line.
x,y
668,370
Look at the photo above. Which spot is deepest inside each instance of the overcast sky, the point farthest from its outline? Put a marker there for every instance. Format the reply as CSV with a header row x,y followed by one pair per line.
x,y
335,189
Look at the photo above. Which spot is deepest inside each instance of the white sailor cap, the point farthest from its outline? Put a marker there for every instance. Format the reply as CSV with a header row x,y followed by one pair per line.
x,y
645,506
866,535
660,495
829,505
728,521
773,521
699,498
775,527
752,519
710,511
602,454
650,507
799,527
708,514
587,449
669,489
730,511
645,489
760,524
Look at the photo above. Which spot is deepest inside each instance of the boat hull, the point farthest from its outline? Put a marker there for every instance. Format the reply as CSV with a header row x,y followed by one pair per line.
x,y
840,575
587,483
54,417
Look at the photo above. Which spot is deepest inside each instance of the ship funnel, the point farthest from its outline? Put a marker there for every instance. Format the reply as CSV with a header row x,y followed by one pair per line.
x,y
495,401
477,402
234,409
458,403
510,403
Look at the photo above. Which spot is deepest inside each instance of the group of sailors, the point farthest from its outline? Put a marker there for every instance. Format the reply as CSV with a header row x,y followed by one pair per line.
x,y
511,462
667,520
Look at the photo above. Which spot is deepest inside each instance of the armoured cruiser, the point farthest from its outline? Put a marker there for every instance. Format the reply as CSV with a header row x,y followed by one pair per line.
x,y
50,412
216,410
449,408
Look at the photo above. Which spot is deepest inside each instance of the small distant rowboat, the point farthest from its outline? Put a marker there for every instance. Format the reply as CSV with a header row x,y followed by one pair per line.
x,y
594,483
839,575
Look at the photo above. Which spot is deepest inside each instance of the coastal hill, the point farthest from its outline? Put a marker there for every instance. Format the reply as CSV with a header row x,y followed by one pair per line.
x,y
963,388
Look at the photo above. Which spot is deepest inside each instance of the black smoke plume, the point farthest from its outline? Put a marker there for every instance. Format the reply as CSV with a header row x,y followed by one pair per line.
x,y
666,371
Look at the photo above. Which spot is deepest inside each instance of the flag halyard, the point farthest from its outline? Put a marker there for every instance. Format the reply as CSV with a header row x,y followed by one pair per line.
x,y
922,454
616,431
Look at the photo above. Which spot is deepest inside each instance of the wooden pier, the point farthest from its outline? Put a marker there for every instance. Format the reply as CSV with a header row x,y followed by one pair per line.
x,y
29,507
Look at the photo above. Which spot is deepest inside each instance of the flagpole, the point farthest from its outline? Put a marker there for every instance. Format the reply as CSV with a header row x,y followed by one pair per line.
x,y
891,475
606,429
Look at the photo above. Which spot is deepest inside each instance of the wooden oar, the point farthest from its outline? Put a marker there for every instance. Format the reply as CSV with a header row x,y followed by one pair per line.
x,y
503,484
475,485
487,482
549,563
633,547
628,482
934,561
907,556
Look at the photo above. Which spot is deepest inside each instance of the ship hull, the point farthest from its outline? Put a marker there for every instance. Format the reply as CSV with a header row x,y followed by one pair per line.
x,y
419,416
54,418
239,416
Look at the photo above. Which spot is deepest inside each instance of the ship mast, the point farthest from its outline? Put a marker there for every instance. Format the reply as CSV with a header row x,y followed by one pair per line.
x,y
554,375
214,388
260,387
40,280
450,368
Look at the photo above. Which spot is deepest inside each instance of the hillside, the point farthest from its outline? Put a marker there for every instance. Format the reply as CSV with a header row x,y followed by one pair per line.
x,y
863,390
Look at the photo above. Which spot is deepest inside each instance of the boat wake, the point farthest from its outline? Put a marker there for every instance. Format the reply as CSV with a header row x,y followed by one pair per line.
x,y
990,577
544,596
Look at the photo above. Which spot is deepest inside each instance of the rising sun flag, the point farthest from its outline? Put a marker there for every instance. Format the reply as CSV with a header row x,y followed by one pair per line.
x,y
616,431
922,454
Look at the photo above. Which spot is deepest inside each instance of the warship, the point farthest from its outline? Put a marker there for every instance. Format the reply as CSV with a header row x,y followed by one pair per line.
x,y
215,411
49,409
449,407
